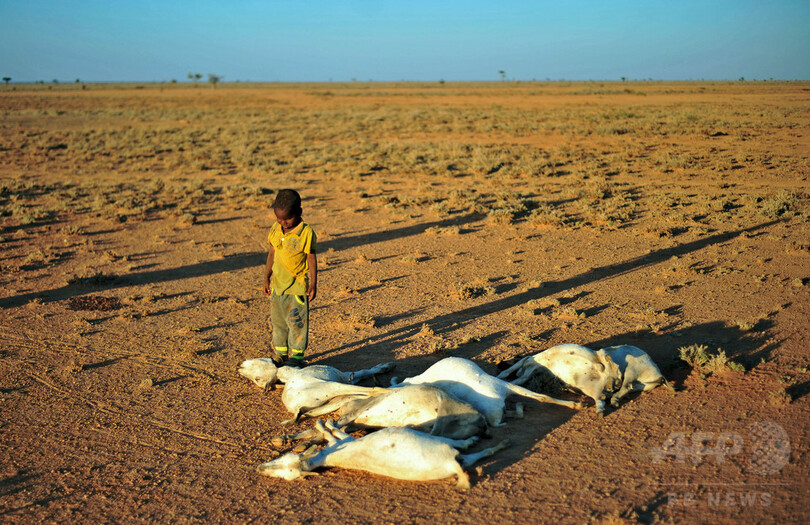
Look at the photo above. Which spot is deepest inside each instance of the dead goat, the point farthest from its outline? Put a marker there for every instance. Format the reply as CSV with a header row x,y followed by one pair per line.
x,y
639,372
468,382
313,390
421,407
592,373
396,452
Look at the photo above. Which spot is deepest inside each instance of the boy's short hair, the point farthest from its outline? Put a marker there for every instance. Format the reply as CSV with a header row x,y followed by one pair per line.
x,y
288,201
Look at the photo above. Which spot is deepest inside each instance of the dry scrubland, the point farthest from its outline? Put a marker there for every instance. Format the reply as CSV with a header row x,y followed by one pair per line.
x,y
486,221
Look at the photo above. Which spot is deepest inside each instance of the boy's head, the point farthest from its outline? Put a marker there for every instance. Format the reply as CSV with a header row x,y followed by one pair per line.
x,y
287,208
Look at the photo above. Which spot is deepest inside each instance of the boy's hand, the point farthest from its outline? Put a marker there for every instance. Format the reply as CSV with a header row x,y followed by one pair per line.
x,y
267,279
312,292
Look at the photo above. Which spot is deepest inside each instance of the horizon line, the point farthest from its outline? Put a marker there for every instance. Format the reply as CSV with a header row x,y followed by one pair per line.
x,y
78,81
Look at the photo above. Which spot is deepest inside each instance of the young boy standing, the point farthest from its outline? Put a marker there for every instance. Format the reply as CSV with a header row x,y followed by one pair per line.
x,y
290,278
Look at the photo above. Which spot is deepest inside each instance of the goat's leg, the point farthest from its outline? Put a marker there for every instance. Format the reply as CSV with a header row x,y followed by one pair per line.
x,y
524,378
512,369
356,377
326,433
525,392
337,432
468,460
517,413
459,444
626,388
307,446
286,439
657,383
331,406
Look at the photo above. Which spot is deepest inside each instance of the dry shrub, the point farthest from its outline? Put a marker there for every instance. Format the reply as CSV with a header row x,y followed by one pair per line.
x,y
501,216
547,216
95,279
446,230
779,204
355,322
432,343
362,259
187,219
94,302
779,397
699,358
746,326
567,313
471,291
426,331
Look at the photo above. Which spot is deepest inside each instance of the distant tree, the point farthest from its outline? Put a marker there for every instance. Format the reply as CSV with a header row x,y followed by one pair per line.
x,y
194,77
6,80
503,74
78,81
55,81
213,79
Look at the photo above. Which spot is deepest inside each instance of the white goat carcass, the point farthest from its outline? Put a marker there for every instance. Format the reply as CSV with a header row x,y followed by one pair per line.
x,y
468,382
639,372
592,373
422,407
396,452
313,390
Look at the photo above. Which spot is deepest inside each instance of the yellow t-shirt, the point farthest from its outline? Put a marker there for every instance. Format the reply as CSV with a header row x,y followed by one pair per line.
x,y
290,266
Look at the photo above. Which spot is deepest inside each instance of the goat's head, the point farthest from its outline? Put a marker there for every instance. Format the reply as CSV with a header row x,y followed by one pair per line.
x,y
613,374
289,466
262,371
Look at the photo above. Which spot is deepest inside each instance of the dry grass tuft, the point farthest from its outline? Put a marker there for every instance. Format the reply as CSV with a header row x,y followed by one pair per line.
x,y
362,259
699,358
779,397
471,291
354,321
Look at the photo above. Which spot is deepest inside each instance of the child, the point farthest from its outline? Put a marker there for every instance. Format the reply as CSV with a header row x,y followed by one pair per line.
x,y
290,278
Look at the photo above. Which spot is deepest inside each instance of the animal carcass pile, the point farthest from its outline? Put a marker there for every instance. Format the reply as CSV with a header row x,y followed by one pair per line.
x,y
419,426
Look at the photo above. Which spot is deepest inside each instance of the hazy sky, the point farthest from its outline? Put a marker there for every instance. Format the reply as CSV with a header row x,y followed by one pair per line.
x,y
314,40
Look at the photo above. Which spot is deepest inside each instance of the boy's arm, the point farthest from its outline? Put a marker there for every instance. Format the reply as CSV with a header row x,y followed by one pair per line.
x,y
312,261
268,270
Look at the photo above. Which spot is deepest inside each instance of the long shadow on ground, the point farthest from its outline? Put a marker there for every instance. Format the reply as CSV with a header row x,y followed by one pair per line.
x,y
231,263
386,344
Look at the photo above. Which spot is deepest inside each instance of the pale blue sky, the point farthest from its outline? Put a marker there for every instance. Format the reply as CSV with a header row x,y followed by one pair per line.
x,y
314,40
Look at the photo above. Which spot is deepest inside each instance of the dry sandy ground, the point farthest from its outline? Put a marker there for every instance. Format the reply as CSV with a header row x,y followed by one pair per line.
x,y
122,324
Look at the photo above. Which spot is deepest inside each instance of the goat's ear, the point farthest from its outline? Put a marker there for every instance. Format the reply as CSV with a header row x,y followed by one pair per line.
x,y
607,361
270,385
604,359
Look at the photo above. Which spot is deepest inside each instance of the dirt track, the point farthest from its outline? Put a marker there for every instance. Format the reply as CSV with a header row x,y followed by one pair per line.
x,y
127,303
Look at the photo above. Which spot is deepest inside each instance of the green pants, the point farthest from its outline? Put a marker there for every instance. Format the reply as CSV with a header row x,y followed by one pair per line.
x,y
289,315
